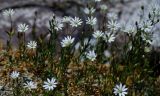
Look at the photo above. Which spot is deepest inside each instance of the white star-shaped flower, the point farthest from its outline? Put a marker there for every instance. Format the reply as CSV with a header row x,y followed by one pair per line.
x,y
50,84
30,85
75,22
14,75
113,25
22,27
32,45
98,34
91,21
120,90
91,55
67,41
8,12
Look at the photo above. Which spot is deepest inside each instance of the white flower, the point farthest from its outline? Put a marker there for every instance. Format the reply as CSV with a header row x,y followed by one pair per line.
x,y
91,55
113,25
103,7
66,19
50,84
109,38
67,41
92,21
89,10
112,16
14,74
120,90
146,26
32,44
30,85
58,25
130,29
98,34
8,12
22,27
75,22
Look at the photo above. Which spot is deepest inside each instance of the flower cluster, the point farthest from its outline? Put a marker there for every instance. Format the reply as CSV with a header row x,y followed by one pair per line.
x,y
50,84
83,55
